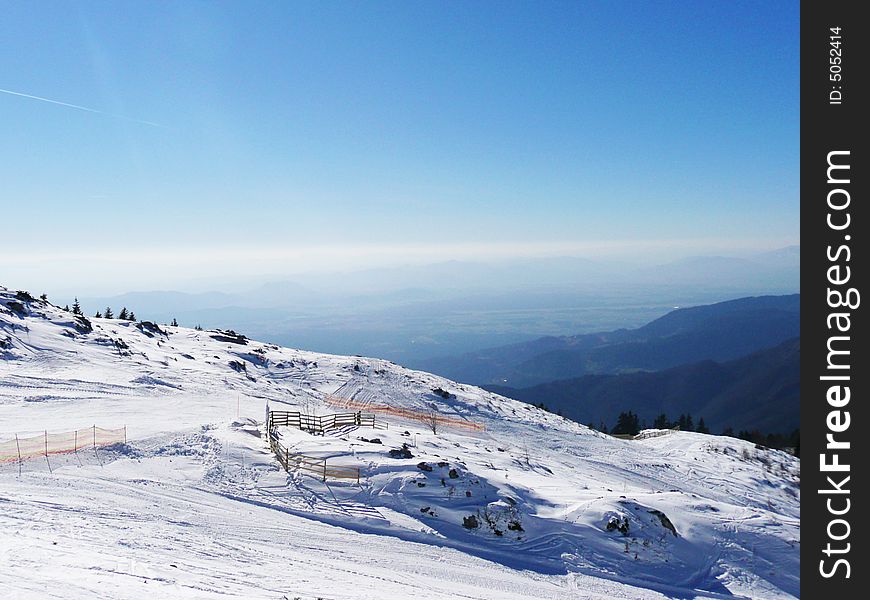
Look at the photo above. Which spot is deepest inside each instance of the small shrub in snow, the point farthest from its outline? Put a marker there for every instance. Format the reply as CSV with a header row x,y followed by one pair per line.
x,y
432,420
500,515
470,522
443,393
423,466
515,526
402,452
83,324
17,308
618,523
453,474
228,336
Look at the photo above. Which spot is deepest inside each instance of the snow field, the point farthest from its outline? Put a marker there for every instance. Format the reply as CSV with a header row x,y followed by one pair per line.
x,y
535,506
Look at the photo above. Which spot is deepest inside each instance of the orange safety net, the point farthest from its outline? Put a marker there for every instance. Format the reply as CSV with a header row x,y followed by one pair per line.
x,y
58,443
405,413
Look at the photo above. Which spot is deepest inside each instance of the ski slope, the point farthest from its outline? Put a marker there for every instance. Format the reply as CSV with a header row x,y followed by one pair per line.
x,y
195,506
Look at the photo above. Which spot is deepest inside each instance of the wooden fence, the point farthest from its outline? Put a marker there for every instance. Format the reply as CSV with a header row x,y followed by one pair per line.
x,y
320,423
645,434
295,461
651,433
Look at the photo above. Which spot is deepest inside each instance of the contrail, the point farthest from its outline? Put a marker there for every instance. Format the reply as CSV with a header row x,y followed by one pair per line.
x,y
85,108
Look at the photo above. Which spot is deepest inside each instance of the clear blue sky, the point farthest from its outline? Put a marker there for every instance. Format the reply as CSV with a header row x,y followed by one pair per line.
x,y
283,126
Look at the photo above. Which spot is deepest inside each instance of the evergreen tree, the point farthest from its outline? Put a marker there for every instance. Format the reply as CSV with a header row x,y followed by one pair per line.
x,y
108,313
690,426
661,422
174,322
44,297
681,423
76,307
123,314
132,316
602,427
627,423
198,327
702,427
66,307
728,431
98,315
591,426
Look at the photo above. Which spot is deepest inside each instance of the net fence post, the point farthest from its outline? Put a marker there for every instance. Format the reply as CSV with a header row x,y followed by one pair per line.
x,y
96,454
76,442
18,446
46,452
324,471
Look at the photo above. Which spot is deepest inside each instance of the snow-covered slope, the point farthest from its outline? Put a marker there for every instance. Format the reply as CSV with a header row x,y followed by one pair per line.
x,y
531,506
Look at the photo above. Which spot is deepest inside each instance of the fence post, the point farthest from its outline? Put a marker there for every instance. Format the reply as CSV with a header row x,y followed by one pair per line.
x,y
287,459
46,452
76,443
95,437
324,471
17,445
125,435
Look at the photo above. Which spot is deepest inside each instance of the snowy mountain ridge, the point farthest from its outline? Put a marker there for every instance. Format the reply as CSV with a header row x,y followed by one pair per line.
x,y
531,505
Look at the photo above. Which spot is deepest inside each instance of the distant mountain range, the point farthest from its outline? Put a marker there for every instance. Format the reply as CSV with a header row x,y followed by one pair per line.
x,y
759,391
411,314
718,332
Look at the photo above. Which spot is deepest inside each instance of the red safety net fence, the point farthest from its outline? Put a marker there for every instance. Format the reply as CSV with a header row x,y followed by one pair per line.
x,y
427,417
23,448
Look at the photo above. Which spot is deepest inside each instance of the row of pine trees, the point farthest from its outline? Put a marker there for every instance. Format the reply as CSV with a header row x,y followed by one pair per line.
x,y
123,314
628,423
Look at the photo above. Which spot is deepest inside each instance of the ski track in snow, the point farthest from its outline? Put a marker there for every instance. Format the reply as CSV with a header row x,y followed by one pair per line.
x,y
195,506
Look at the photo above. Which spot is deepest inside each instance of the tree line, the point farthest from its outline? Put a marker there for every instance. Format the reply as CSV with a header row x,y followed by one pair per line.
x,y
124,314
628,423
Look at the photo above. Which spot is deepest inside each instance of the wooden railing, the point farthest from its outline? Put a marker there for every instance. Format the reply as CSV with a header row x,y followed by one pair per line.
x,y
655,433
320,423
318,467
644,434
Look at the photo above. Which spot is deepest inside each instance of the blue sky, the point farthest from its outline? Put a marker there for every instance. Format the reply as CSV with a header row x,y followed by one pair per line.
x,y
391,131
